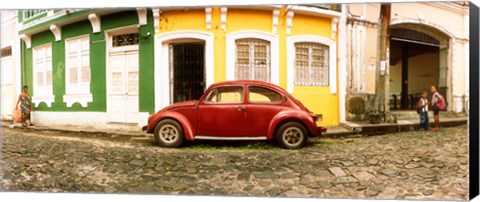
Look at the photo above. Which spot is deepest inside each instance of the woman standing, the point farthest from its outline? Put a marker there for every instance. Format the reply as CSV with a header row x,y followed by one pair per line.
x,y
25,104
437,99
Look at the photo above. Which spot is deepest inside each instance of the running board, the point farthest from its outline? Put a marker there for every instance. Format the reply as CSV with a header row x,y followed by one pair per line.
x,y
228,138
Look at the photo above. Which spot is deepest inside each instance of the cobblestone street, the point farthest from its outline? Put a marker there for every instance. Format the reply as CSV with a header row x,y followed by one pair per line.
x,y
411,165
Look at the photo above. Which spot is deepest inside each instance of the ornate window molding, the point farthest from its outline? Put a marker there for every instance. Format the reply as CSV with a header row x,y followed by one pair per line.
x,y
313,39
77,71
42,75
274,52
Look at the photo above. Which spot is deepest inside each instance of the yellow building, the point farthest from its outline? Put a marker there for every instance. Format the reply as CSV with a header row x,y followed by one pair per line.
x,y
294,47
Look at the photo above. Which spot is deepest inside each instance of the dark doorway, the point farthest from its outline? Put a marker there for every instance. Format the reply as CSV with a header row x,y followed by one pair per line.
x,y
415,61
187,71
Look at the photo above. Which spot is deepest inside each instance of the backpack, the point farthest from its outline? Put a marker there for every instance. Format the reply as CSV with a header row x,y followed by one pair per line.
x,y
441,103
419,106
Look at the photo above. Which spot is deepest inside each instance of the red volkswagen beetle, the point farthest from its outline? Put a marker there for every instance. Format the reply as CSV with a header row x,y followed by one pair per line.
x,y
236,110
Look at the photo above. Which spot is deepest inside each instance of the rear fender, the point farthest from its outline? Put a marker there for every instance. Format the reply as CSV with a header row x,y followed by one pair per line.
x,y
295,115
188,129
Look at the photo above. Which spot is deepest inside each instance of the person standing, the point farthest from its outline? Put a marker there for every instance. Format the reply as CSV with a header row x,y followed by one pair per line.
x,y
423,111
25,105
438,103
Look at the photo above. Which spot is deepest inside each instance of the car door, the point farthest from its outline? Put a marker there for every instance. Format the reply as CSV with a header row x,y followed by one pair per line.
x,y
222,112
263,104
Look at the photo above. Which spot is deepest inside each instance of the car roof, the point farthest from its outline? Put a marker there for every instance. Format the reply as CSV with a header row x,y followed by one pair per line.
x,y
251,82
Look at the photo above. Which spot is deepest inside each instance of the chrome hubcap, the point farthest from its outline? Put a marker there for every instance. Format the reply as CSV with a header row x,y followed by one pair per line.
x,y
292,136
168,133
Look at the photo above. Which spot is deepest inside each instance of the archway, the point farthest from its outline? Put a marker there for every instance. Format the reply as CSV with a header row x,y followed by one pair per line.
x,y
420,56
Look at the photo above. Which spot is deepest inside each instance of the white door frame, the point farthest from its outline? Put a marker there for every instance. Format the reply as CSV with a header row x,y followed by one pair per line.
x,y
162,59
110,49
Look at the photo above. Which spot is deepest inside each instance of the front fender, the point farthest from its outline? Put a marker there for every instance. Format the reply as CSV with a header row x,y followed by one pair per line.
x,y
187,127
290,114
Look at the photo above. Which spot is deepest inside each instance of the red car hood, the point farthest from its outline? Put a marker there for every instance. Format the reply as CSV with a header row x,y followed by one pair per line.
x,y
189,103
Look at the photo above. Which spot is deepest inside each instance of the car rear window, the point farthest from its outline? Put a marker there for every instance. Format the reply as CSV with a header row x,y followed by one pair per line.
x,y
263,95
227,94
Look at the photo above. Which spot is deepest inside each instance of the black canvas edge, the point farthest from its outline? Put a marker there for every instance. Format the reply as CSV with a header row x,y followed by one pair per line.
x,y
474,110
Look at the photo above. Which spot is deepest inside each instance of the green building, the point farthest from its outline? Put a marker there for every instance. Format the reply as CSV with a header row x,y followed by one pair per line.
x,y
95,62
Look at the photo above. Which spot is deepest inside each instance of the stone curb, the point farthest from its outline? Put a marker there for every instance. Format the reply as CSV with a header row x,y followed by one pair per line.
x,y
87,132
354,130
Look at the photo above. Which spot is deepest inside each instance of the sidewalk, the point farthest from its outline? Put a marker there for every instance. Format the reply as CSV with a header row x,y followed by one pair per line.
x,y
345,129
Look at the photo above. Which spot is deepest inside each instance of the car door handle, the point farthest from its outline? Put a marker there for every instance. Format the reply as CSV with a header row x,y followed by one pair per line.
x,y
240,108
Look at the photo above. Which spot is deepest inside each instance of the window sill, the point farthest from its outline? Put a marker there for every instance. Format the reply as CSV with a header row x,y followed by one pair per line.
x,y
82,99
47,99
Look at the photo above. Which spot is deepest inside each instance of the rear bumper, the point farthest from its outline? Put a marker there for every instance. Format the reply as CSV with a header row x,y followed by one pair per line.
x,y
319,131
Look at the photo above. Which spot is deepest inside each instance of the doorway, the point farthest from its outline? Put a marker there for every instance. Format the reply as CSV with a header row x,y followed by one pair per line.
x,y
417,61
187,71
123,77
6,87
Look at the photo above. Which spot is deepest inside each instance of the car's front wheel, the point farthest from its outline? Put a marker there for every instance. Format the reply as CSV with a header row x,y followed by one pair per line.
x,y
292,135
168,133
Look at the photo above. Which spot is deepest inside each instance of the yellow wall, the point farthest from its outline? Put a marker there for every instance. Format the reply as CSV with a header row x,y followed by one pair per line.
x,y
317,99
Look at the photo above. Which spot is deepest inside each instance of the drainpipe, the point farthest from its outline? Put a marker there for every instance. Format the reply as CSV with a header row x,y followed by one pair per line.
x,y
466,65
342,63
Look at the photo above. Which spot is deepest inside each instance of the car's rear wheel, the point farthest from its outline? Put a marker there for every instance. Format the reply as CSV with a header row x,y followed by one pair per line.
x,y
168,133
292,135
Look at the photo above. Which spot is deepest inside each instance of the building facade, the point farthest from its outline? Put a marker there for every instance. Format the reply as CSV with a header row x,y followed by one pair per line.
x,y
115,67
88,67
429,44
268,43
10,63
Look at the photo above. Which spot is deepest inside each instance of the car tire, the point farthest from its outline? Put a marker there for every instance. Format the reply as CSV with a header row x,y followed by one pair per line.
x,y
168,133
291,135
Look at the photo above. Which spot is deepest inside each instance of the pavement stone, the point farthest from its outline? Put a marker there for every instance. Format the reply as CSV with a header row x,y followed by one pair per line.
x,y
414,165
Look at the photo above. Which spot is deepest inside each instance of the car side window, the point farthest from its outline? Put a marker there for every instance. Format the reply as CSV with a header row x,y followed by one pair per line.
x,y
227,94
263,95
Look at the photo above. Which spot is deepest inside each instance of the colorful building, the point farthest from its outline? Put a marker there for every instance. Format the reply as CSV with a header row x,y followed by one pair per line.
x,y
88,67
268,43
113,68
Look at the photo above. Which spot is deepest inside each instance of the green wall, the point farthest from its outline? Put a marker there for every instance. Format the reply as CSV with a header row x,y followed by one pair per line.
x,y
97,62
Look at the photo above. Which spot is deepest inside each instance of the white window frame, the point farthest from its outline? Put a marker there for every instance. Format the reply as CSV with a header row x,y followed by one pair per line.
x,y
251,57
310,66
79,92
43,93
231,52
332,46
162,66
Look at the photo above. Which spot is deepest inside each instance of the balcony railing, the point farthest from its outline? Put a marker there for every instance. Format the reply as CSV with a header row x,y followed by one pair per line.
x,y
28,14
332,7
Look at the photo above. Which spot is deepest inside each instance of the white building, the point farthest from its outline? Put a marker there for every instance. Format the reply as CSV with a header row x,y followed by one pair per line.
x,y
10,63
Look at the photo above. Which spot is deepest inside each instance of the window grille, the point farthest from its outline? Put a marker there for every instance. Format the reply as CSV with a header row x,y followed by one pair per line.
x,y
413,35
252,59
6,52
125,40
311,64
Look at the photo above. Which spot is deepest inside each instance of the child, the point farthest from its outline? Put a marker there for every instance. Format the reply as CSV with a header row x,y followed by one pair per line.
x,y
423,110
436,98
